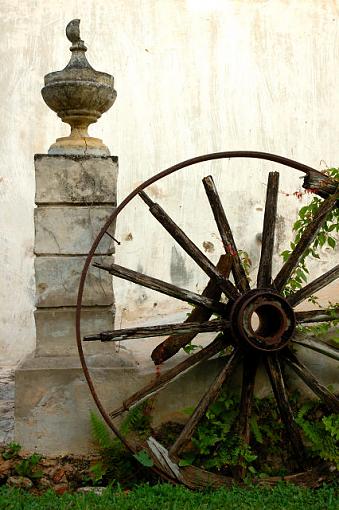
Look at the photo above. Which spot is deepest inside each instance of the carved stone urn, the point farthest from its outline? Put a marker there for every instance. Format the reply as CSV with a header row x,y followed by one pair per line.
x,y
79,95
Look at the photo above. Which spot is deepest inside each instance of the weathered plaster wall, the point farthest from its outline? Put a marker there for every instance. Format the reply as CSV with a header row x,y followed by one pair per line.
x,y
192,77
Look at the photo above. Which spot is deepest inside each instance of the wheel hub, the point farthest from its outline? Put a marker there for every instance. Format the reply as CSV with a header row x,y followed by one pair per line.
x,y
263,320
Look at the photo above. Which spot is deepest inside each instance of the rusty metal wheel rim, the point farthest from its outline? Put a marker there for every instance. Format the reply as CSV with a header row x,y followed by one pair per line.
x,y
324,187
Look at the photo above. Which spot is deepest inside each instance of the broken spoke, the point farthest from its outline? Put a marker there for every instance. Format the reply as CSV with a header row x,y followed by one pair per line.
x,y
173,344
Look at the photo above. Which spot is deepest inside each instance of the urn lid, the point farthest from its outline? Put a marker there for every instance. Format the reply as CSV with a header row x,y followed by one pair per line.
x,y
78,68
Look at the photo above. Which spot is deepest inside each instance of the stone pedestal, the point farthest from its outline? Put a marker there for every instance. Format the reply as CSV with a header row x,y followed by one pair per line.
x,y
74,196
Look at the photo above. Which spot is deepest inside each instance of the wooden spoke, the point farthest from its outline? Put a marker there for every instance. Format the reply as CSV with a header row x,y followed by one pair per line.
x,y
313,287
165,378
190,248
264,278
173,344
208,398
162,330
317,346
163,287
273,369
299,368
226,235
250,366
306,239
317,316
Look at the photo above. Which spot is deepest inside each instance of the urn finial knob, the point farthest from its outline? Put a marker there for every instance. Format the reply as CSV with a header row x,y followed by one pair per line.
x,y
73,31
79,95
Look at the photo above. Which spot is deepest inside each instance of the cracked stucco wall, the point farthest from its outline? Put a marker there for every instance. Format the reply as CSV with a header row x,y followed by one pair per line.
x,y
192,77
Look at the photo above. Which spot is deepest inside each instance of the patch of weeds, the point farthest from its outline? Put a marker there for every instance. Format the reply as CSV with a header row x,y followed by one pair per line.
x,y
11,451
29,467
215,445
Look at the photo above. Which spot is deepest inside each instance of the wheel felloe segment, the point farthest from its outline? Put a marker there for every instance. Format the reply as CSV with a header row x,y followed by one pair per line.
x,y
263,320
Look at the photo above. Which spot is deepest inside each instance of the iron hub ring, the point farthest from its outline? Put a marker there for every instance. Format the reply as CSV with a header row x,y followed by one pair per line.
x,y
262,320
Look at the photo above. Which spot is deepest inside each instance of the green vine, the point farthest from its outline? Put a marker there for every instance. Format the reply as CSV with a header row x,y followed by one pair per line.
x,y
324,237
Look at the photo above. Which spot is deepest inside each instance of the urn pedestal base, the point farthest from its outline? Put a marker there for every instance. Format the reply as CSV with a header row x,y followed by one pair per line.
x,y
84,146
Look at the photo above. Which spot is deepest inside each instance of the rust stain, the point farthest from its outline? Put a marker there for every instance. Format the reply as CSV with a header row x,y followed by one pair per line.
x,y
208,246
155,191
157,370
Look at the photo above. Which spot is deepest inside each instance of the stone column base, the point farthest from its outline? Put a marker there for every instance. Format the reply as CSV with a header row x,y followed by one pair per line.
x,y
53,402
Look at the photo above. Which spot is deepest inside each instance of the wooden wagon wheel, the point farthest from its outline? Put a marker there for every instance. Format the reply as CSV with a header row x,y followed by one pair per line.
x,y
234,304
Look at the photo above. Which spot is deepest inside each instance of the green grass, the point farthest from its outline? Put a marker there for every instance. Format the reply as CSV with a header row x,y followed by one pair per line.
x,y
167,497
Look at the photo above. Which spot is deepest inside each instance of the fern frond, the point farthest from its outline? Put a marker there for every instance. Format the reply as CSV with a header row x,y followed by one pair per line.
x,y
100,432
137,420
322,435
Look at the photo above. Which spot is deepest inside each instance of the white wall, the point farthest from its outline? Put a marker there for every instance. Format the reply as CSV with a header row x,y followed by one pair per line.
x,y
192,76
